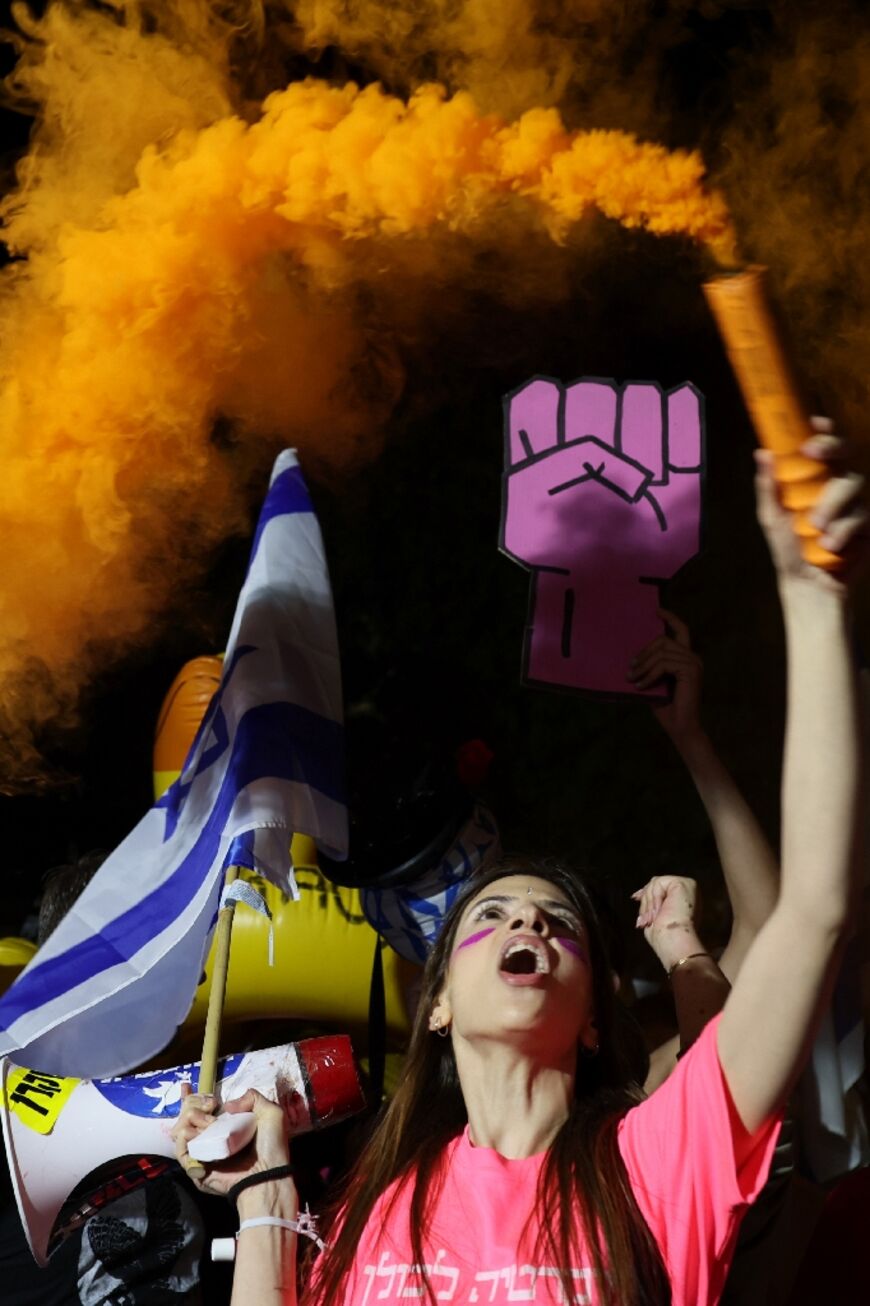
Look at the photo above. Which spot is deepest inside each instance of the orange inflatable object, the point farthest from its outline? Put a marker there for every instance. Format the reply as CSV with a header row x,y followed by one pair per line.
x,y
183,708
324,946
741,307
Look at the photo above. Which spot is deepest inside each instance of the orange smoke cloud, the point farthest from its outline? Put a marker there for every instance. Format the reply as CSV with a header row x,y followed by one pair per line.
x,y
511,55
182,273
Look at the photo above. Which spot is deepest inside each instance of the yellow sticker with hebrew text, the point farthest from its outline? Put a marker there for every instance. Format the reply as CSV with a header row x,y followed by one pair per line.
x,y
36,1099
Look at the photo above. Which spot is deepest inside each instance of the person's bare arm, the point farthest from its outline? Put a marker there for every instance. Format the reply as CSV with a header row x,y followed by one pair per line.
x,y
748,864
666,913
662,1063
265,1264
265,1268
780,992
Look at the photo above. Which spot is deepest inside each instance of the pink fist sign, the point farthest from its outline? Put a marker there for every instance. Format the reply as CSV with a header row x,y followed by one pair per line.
x,y
601,502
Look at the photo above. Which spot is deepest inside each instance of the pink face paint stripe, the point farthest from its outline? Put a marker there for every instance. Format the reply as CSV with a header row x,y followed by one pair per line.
x,y
570,946
474,938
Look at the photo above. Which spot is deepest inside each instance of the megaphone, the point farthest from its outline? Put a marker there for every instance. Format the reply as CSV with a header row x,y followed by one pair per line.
x,y
76,1144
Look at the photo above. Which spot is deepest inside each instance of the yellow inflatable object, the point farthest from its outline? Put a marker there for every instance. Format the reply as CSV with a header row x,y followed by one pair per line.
x,y
324,950
324,946
14,955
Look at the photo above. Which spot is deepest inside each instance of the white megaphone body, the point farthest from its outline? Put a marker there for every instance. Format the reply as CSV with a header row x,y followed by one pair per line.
x,y
74,1145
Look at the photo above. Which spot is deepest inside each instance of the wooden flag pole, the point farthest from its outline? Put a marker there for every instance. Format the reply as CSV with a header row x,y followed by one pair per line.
x,y
211,1039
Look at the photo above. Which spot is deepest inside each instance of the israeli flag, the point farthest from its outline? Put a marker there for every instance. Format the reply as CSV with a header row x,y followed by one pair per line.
x,y
108,988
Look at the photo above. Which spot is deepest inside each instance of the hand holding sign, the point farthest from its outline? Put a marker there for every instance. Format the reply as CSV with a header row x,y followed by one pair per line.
x,y
602,499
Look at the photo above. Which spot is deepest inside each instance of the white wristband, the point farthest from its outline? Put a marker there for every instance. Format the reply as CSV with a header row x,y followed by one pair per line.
x,y
269,1219
224,1249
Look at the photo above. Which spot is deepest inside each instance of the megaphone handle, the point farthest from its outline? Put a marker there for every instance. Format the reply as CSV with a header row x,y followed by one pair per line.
x,y
211,1039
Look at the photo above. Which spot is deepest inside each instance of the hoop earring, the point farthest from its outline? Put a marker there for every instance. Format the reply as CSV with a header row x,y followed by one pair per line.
x,y
588,1054
443,1031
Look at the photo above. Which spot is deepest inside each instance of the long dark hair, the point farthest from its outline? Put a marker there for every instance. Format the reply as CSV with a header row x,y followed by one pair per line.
x,y
583,1185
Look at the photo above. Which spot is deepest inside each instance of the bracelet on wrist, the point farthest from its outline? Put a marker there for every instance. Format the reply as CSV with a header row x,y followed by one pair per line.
x,y
689,957
305,1223
224,1249
259,1177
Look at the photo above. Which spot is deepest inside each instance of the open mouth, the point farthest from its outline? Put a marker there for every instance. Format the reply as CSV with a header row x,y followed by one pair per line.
x,y
524,958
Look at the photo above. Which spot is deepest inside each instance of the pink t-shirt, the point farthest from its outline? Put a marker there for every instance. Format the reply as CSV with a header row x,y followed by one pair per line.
x,y
693,1169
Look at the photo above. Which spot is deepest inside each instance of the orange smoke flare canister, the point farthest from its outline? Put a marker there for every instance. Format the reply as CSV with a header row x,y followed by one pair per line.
x,y
740,304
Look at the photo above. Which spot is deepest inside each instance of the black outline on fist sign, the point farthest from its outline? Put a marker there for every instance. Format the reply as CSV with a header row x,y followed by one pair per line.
x,y
602,502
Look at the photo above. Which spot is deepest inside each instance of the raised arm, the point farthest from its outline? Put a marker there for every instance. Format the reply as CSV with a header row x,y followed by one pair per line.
x,y
782,987
666,914
748,864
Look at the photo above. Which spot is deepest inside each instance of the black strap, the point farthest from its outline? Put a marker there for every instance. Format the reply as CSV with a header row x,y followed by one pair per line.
x,y
259,1177
377,1026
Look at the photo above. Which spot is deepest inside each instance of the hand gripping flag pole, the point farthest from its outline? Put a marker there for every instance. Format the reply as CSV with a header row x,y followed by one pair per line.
x,y
108,989
235,891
